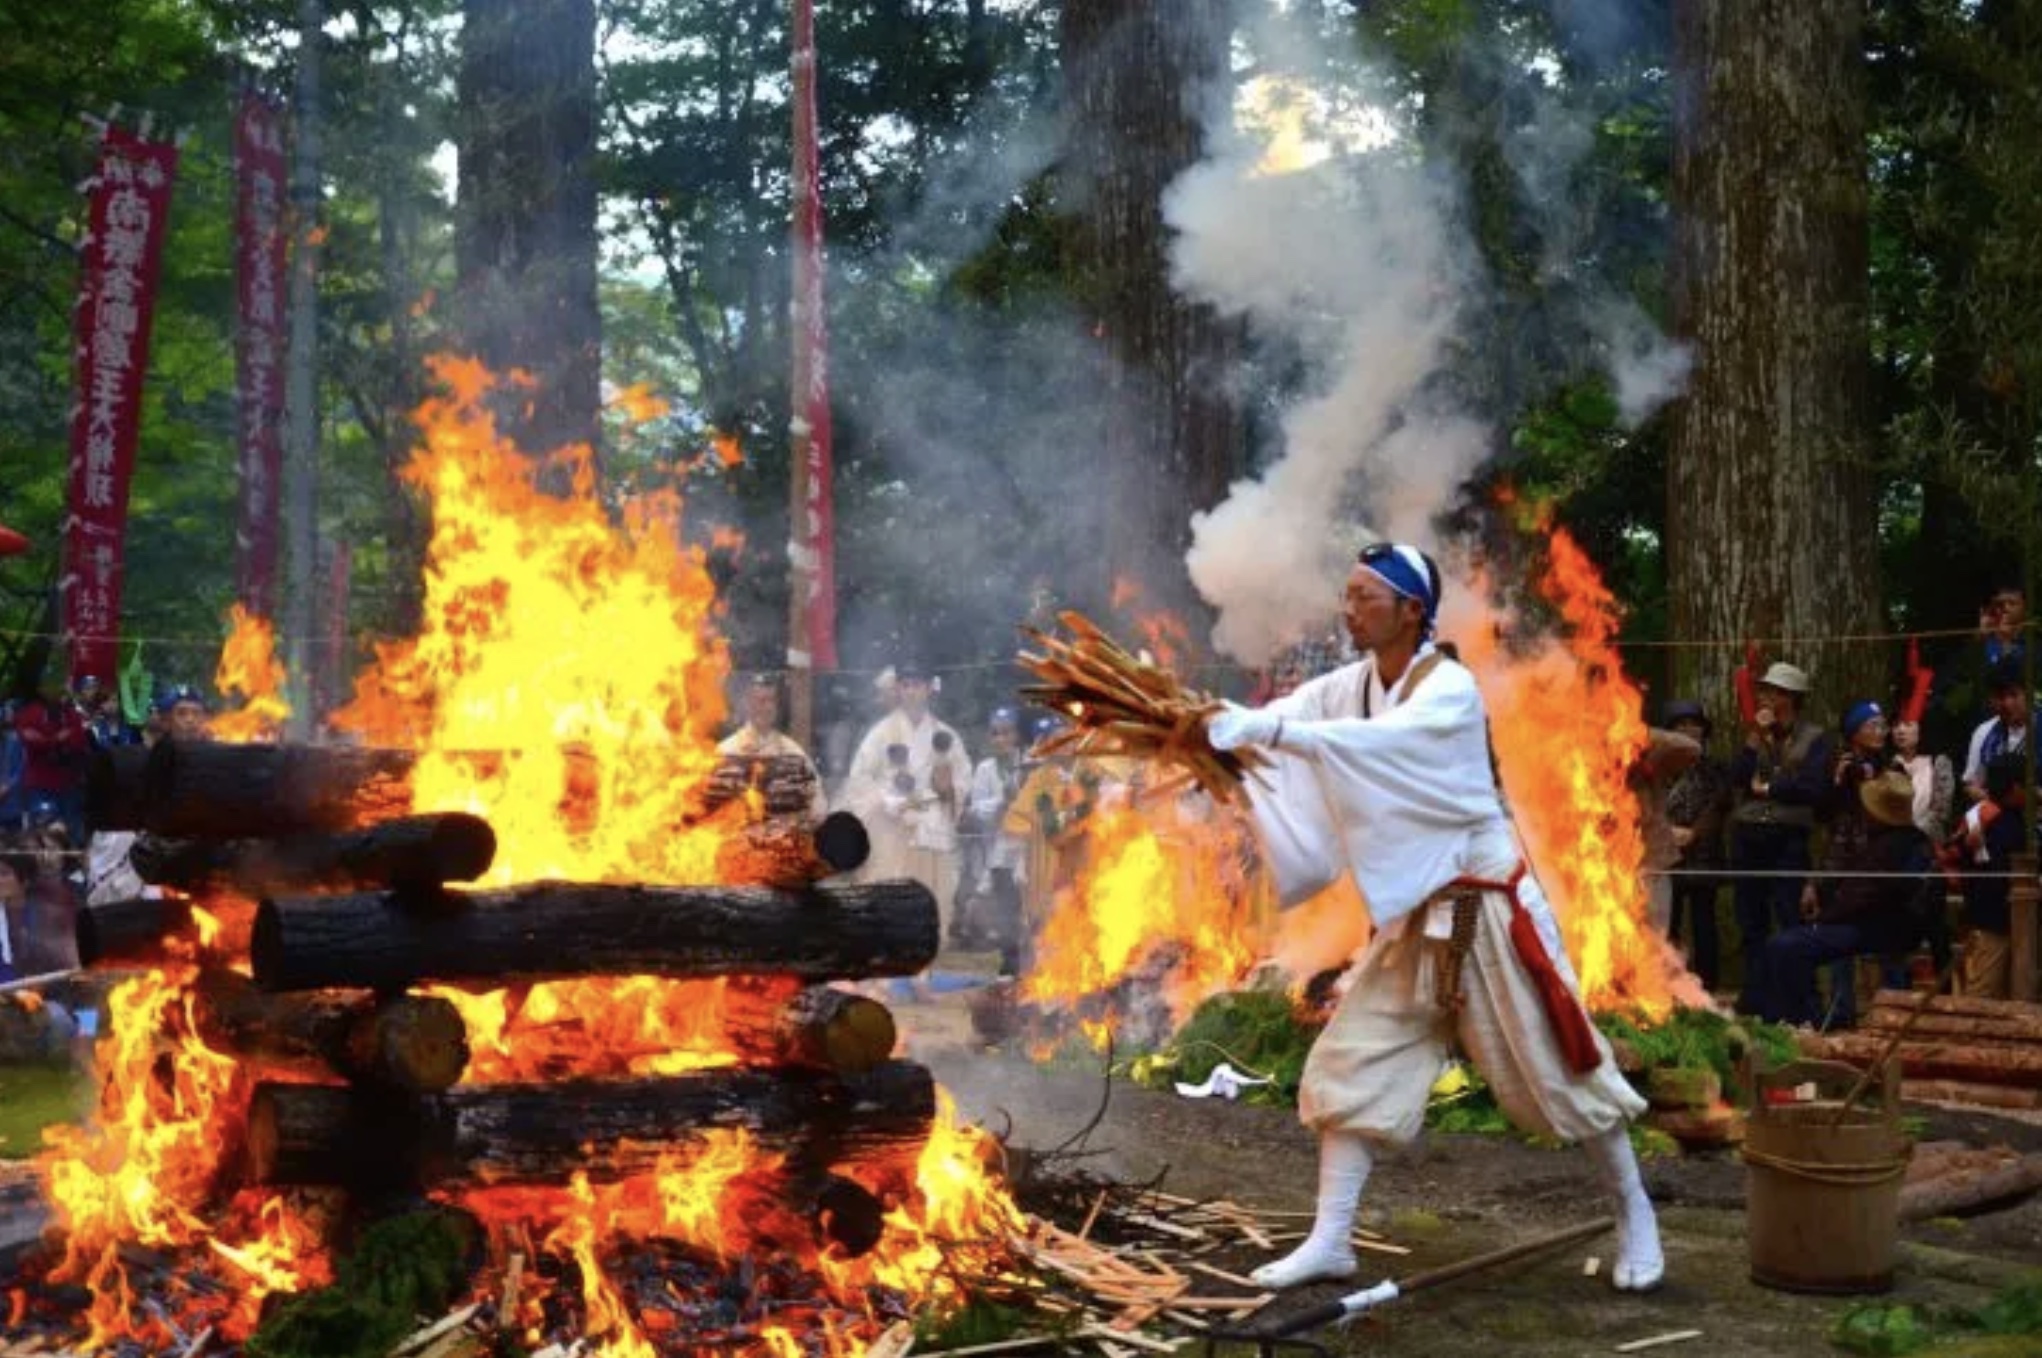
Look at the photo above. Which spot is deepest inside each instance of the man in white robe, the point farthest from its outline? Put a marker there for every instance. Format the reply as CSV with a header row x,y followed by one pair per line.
x,y
1382,772
909,782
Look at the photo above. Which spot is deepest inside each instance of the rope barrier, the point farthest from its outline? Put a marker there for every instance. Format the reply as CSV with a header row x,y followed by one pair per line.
x,y
974,839
1229,667
1765,874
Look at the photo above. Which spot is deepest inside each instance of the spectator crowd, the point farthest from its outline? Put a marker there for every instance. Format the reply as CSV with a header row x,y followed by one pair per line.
x,y
1828,849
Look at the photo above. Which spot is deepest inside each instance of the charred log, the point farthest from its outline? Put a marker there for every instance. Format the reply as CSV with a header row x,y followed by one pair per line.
x,y
207,790
412,1042
552,930
409,852
129,931
512,1134
818,1027
786,852
848,1215
115,784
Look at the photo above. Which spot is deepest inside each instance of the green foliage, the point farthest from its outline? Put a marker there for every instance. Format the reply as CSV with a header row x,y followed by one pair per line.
x,y
400,1270
35,1097
1698,1040
978,1321
1881,1330
1255,1031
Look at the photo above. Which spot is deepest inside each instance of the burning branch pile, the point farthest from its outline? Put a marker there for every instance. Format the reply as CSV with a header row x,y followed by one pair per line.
x,y
1121,705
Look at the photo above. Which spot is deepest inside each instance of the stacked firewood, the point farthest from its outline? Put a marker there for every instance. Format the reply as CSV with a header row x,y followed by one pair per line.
x,y
348,911
1956,1050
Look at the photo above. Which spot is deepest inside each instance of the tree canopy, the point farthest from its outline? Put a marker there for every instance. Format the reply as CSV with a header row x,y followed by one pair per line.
x,y
965,295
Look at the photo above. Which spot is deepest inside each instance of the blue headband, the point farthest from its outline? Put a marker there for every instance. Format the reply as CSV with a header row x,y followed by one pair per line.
x,y
1406,571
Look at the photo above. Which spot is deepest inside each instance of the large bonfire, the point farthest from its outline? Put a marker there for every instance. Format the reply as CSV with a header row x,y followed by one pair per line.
x,y
567,684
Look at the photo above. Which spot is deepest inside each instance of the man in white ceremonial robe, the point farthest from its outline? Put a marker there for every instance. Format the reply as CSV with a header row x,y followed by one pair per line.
x,y
1381,770
909,783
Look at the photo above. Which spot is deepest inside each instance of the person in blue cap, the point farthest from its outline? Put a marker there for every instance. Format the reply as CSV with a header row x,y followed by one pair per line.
x,y
1381,771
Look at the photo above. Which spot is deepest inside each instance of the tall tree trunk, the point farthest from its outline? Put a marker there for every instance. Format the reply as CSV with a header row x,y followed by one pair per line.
x,y
526,244
1772,510
407,529
1137,74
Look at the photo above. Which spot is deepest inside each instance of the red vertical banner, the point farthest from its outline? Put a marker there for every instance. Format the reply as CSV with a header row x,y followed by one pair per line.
x,y
814,529
127,210
259,346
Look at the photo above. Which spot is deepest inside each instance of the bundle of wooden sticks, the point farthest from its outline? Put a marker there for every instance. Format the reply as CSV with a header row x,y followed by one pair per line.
x,y
1121,705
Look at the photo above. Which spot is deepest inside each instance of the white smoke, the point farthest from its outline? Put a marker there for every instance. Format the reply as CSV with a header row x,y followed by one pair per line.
x,y
1646,367
1359,262
1548,153
1363,262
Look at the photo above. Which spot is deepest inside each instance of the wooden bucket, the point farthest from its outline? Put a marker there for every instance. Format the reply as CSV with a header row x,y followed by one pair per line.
x,y
1823,1196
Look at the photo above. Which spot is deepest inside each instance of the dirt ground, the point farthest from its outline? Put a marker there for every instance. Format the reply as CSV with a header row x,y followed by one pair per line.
x,y
1452,1197
1455,1196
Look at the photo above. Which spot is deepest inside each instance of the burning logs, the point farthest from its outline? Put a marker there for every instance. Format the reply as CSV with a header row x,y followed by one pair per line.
x,y
409,852
525,1133
129,931
786,852
551,930
207,790
411,1042
818,1027
786,784
848,1214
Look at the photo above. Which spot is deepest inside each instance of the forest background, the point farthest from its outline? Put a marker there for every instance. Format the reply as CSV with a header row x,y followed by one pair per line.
x,y
1026,407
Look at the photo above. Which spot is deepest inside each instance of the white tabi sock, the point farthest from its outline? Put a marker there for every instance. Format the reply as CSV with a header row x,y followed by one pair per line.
x,y
1344,1163
1640,1264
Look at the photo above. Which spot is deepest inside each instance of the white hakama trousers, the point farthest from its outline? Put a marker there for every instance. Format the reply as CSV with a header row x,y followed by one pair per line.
x,y
1372,1070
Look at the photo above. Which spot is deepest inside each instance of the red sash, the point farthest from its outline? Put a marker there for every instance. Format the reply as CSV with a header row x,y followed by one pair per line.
x,y
1563,1011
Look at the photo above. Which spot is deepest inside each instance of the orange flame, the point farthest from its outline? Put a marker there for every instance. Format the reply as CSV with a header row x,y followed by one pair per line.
x,y
1568,729
639,403
575,656
249,668
567,684
1164,893
728,450
147,1165
1165,636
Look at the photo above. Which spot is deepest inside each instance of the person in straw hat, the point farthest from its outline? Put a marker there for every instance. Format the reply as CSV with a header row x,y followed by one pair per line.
x,y
1874,904
1380,771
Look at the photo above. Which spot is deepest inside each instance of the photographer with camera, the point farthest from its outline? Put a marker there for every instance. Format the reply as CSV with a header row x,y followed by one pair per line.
x,y
1785,773
908,783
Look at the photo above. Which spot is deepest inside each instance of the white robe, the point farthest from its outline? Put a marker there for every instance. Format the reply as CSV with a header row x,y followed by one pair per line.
x,y
914,834
1405,801
1396,799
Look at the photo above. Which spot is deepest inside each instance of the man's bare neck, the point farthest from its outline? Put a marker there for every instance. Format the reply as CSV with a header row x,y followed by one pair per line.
x,y
1392,660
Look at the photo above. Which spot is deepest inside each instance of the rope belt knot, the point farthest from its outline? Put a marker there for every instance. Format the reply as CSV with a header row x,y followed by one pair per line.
x,y
1569,1022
